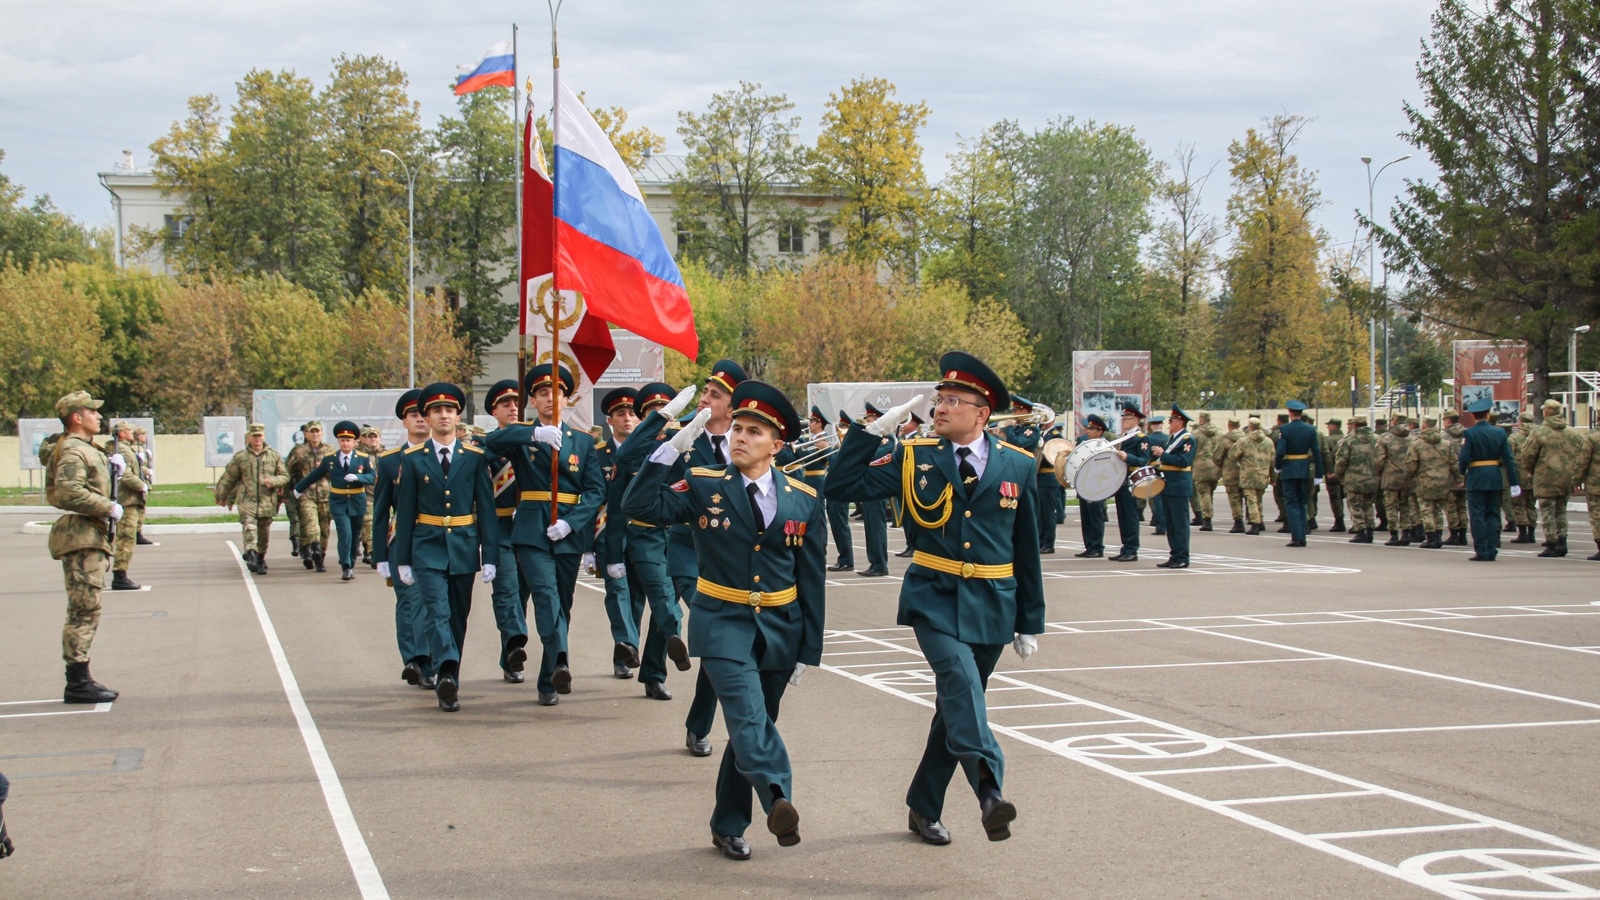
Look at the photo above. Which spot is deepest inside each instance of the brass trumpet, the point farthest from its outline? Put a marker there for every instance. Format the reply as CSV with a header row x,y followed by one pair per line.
x,y
814,449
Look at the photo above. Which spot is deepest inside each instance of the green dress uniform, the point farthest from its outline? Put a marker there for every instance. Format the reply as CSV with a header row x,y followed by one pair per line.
x,y
1487,464
758,603
1091,513
973,584
1177,472
839,518
1298,460
1049,497
348,475
506,594
1137,449
1157,438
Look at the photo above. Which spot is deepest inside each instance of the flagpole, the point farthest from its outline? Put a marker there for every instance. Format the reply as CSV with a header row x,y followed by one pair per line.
x,y
522,275
555,288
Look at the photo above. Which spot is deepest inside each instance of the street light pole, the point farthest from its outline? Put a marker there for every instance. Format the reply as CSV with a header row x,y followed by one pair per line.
x,y
1572,372
411,268
1372,285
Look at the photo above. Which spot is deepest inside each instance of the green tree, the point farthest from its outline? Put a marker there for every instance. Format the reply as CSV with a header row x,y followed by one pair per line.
x,y
38,233
972,215
51,344
195,353
634,145
870,156
1272,323
1176,315
742,152
289,338
1507,240
189,161
129,305
375,358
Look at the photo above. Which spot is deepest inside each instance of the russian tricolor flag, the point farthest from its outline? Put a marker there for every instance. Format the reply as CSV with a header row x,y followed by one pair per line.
x,y
608,248
499,67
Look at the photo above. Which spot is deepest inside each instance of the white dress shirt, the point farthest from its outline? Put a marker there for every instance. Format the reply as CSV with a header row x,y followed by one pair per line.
x,y
980,454
766,494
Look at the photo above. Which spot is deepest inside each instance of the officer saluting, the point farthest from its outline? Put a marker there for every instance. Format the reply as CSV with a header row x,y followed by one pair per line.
x,y
1298,449
348,473
1487,464
758,601
974,582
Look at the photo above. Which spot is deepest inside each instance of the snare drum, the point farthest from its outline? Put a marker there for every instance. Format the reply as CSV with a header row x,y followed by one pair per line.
x,y
1146,482
1093,470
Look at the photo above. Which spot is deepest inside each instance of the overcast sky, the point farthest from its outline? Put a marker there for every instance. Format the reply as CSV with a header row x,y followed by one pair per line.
x,y
82,80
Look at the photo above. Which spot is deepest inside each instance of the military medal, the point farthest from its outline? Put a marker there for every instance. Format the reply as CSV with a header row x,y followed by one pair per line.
x,y
716,498
714,510
922,483
714,522
680,487
572,462
923,467
1009,492
702,521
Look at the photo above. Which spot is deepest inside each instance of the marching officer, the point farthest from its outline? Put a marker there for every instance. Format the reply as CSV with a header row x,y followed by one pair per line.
x,y
624,609
1298,461
1134,451
372,445
316,516
758,599
444,525
815,472
1176,460
510,610
348,472
974,583
410,623
253,479
1487,464
1091,513
839,519
875,519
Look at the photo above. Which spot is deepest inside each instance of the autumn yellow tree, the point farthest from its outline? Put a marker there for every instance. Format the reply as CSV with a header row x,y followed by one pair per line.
x,y
195,364
51,344
376,353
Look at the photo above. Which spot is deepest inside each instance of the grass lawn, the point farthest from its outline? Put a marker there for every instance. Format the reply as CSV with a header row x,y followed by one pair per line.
x,y
196,520
160,495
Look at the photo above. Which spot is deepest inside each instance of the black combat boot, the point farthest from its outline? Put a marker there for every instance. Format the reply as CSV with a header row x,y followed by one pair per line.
x,y
294,547
1550,549
1338,525
1238,527
1395,540
1524,535
250,562
1433,542
1561,546
1205,524
1311,525
82,688
1511,526
1596,556
1383,524
141,541
121,582
317,555
1363,536
1255,528
307,558
1417,535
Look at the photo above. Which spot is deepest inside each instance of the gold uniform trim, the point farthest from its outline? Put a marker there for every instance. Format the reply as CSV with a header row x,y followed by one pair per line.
x,y
944,503
348,492
956,567
814,473
545,496
505,511
471,448
799,485
391,452
447,521
1289,456
1483,462
640,524
1166,468
1027,453
755,599
708,472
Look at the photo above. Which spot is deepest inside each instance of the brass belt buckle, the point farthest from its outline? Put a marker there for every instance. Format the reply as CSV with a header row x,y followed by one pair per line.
x,y
446,521
967,569
755,600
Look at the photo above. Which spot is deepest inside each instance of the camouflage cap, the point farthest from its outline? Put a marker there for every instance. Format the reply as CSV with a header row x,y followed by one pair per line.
x,y
120,426
1553,404
75,401
368,431
255,428
313,425
1526,417
1334,423
1451,414
1429,421
1233,420
1398,417
1255,420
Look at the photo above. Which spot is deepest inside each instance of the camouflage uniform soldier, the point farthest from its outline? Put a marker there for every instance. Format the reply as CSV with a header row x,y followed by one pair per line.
x,y
290,507
1207,469
1455,511
1330,453
1554,455
78,481
253,480
1591,486
1254,454
1397,487
1356,468
316,519
1277,486
1381,429
1429,462
1520,509
132,487
1230,474
372,445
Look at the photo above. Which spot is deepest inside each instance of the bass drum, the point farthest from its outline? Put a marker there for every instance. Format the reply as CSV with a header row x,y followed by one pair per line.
x,y
1146,482
1093,470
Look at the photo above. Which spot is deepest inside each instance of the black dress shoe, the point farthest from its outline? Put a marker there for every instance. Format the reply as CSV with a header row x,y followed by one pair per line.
x,y
517,659
347,574
625,654
930,830
546,699
621,671
874,572
1295,544
562,679
1478,558
428,683
1125,557
655,690
1046,550
1169,564
513,677
698,746
731,845
905,554
998,814
447,694
1090,554
784,822
678,652
841,567
411,674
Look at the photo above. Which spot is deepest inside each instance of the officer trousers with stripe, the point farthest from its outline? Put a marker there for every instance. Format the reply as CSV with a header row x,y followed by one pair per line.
x,y
703,708
549,578
348,527
959,734
446,604
755,757
1092,519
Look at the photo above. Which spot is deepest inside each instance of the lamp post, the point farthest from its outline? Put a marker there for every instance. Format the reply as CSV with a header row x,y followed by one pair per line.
x,y
1572,372
411,268
1372,284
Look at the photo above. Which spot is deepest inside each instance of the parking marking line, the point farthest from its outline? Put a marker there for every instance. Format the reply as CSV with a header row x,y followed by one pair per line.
x,y
1295,798
97,708
1404,829
368,880
1414,730
1237,662
1490,637
1072,724
1192,769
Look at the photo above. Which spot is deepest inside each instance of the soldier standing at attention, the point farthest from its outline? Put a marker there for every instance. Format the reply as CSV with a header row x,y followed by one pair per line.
x,y
253,479
1135,452
1356,469
372,446
1176,460
974,583
444,524
1521,506
1590,473
1390,465
1230,473
1207,470
316,519
510,606
78,482
1335,490
147,456
1487,464
1092,513
131,491
1273,478
1299,465
347,474
1455,511
1553,457
758,599
409,616
875,518
1254,454
548,555
1429,464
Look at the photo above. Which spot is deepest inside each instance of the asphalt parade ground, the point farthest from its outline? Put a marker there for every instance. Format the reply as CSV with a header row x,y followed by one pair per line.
x,y
1336,721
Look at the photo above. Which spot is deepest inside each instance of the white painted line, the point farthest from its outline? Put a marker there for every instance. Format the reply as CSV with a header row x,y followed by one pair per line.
x,y
1033,705
1490,637
860,652
368,880
1416,730
1237,662
28,702
1193,769
1072,724
1407,829
97,708
1293,798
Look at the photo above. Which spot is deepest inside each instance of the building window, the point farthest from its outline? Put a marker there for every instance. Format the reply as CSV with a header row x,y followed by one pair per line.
x,y
824,238
791,238
178,226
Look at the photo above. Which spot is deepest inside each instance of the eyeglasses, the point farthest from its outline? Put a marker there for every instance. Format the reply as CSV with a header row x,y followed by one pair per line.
x,y
953,401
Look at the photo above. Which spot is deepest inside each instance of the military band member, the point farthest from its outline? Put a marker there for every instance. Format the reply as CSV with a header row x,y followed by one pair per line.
x,y
1092,513
1299,465
547,554
973,585
347,473
758,599
254,480
444,526
410,620
510,605
839,518
316,517
1051,499
131,489
79,481
875,519
1487,464
907,431
1134,451
1176,463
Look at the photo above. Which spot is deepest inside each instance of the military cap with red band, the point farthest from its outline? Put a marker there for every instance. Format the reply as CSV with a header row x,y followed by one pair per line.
x,y
966,372
410,400
505,387
540,376
346,429
759,400
622,397
656,393
443,393
726,373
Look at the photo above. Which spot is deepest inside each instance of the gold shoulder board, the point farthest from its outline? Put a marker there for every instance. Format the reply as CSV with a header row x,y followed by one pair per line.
x,y
416,448
1026,453
467,446
390,452
707,472
799,485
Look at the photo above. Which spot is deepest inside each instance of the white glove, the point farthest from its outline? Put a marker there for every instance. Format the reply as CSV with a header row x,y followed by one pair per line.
x,y
587,563
383,568
616,571
1516,490
351,478
558,531
547,434
150,473
1317,482
489,571
794,677
297,495
118,465
1025,645
678,404
116,510
406,577
144,487
890,422
684,440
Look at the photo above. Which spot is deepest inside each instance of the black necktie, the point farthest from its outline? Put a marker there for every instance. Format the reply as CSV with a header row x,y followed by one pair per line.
x,y
755,508
444,460
969,475
716,446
